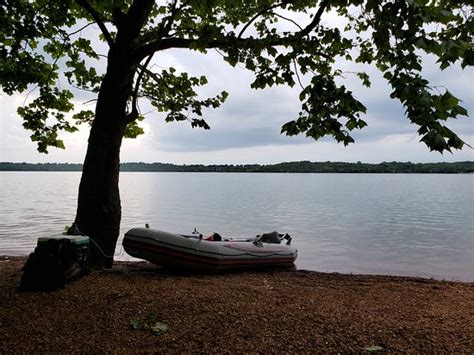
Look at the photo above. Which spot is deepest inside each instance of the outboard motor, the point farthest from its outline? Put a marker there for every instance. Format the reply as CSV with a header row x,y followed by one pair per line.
x,y
287,237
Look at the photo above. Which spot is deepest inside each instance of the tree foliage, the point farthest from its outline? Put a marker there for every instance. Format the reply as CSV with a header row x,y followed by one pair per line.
x,y
42,47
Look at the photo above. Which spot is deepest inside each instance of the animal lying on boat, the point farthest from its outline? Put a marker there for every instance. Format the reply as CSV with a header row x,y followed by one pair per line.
x,y
214,253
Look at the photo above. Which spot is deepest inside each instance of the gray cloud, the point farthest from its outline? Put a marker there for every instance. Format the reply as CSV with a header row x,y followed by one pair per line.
x,y
253,118
250,120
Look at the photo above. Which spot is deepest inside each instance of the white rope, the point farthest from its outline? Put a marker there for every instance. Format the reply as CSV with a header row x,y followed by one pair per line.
x,y
100,249
74,230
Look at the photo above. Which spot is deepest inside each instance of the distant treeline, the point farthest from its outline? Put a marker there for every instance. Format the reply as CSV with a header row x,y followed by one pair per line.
x,y
291,167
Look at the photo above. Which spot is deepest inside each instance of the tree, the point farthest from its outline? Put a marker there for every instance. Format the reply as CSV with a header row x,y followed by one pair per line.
x,y
42,48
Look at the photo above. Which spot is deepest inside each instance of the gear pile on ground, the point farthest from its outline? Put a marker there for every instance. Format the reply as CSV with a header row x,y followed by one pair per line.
x,y
52,264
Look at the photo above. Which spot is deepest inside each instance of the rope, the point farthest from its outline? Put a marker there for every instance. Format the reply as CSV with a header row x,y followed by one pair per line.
x,y
74,230
100,249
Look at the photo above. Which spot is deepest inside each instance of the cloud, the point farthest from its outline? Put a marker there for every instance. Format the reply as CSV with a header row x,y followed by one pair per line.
x,y
247,127
400,147
252,118
16,145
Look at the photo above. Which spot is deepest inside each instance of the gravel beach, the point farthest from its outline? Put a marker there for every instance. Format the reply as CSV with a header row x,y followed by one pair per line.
x,y
137,307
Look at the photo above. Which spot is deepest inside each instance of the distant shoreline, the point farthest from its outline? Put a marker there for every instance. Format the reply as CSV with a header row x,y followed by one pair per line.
x,y
463,167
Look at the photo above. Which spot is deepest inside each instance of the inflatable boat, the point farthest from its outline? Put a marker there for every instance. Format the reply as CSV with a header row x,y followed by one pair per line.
x,y
198,253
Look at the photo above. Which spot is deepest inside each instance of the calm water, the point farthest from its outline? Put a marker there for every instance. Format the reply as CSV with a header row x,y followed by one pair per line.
x,y
418,225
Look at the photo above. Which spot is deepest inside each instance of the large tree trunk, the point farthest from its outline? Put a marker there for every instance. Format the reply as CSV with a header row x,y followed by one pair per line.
x,y
99,210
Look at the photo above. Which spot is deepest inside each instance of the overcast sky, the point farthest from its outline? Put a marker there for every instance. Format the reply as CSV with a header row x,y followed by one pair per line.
x,y
246,129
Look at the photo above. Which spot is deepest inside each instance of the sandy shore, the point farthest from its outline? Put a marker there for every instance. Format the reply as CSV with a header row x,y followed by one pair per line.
x,y
284,311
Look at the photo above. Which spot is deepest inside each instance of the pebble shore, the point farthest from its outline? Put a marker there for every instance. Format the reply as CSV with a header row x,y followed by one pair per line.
x,y
137,307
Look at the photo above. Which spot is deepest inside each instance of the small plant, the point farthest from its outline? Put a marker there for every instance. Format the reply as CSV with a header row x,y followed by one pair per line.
x,y
373,348
150,323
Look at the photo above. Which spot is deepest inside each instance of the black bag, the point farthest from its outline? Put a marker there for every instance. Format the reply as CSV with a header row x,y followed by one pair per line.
x,y
52,264
272,238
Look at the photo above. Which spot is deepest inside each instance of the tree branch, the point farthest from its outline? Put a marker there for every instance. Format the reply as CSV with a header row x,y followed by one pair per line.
x,y
80,29
298,75
290,20
223,43
151,74
137,15
260,13
228,41
165,27
132,116
316,19
152,35
95,15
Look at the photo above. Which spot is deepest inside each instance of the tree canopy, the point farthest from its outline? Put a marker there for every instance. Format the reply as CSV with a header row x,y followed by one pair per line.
x,y
42,47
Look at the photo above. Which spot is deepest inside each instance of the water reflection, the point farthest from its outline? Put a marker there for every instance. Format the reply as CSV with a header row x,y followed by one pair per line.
x,y
391,224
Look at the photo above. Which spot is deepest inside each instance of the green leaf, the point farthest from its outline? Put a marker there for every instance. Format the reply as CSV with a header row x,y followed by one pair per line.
x,y
135,324
461,111
449,100
362,123
373,348
158,328
365,79
60,144
351,124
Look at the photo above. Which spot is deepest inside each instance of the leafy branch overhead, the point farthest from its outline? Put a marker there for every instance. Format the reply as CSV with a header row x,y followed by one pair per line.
x,y
44,46
175,95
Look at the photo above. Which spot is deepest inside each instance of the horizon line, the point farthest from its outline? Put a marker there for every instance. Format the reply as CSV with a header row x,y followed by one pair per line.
x,y
263,164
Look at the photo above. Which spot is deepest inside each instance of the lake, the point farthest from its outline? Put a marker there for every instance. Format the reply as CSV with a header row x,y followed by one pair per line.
x,y
397,224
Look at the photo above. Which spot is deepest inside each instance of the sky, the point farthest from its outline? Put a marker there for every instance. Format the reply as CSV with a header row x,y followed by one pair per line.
x,y
246,128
